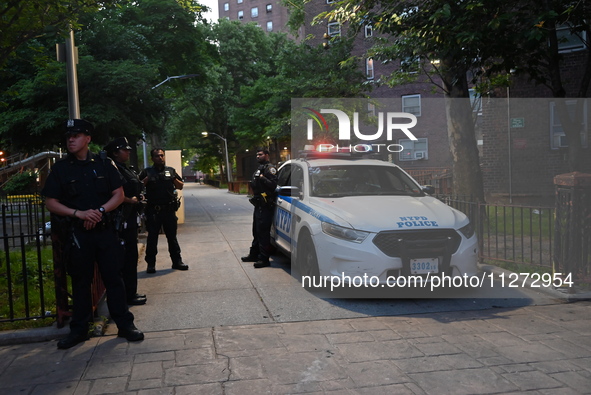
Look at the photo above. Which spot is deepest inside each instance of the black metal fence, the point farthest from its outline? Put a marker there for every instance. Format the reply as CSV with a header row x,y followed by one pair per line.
x,y
25,270
509,233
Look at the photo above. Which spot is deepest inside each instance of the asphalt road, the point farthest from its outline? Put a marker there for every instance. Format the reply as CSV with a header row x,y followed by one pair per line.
x,y
219,289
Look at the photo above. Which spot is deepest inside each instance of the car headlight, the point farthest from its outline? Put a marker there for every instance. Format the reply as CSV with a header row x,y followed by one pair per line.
x,y
355,236
467,230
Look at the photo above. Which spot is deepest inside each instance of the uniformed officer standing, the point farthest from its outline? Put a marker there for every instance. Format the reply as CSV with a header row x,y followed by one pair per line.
x,y
85,188
161,183
263,183
119,150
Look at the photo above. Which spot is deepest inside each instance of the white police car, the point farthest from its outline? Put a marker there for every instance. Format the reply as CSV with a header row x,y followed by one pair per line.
x,y
340,217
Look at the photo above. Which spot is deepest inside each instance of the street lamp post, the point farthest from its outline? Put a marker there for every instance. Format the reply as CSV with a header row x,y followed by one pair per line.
x,y
228,168
180,77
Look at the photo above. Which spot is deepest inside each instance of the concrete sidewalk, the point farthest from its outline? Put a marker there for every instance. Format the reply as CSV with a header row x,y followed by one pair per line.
x,y
225,328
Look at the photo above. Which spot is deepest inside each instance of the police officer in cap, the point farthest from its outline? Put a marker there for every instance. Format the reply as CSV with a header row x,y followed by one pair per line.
x,y
263,183
161,183
82,190
127,223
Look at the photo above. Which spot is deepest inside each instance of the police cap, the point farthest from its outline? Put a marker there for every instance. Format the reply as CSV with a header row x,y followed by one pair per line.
x,y
75,126
116,144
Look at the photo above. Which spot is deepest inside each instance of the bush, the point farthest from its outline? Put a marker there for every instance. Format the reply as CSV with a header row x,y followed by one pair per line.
x,y
21,183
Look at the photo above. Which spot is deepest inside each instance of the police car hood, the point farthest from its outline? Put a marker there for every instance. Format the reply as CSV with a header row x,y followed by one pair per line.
x,y
377,213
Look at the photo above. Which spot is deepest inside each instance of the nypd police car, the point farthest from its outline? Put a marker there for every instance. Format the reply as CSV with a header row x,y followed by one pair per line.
x,y
338,216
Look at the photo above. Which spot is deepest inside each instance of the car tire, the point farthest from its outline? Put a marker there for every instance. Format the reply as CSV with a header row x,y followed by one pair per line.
x,y
307,260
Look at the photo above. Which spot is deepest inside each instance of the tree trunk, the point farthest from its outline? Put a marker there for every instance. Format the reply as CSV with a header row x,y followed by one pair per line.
x,y
467,175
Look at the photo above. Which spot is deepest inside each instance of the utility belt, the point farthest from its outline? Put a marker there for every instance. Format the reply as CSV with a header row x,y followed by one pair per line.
x,y
172,206
262,200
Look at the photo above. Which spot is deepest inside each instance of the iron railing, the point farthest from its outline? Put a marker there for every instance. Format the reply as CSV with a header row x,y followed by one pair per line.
x,y
33,281
22,269
510,233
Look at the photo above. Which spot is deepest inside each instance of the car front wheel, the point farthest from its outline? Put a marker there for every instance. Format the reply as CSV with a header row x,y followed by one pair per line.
x,y
307,261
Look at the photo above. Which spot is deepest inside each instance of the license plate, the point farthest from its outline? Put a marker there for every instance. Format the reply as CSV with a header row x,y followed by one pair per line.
x,y
424,265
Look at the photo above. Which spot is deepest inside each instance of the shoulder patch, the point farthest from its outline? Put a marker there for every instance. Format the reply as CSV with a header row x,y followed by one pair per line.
x,y
272,170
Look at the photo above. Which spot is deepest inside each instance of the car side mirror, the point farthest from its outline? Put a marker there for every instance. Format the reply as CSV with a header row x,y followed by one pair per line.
x,y
428,189
289,191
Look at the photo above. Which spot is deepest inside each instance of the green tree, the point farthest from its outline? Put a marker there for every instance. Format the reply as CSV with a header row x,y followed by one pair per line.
x,y
265,109
23,21
123,52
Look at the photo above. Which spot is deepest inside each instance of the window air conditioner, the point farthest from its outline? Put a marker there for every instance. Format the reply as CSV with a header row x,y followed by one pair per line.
x,y
562,142
420,154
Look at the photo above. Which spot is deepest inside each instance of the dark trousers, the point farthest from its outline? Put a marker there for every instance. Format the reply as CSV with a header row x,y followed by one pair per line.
x,y
129,270
103,247
261,227
167,220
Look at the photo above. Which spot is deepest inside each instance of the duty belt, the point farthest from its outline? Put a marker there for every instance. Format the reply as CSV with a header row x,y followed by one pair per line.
x,y
161,207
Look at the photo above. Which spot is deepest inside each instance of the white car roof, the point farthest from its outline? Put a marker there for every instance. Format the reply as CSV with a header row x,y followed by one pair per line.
x,y
343,162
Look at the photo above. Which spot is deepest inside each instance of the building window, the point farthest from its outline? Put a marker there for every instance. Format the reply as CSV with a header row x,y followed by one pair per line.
x,y
368,30
369,68
475,101
413,149
568,41
334,29
412,104
557,136
240,15
239,1
270,26
254,12
226,6
269,7
410,65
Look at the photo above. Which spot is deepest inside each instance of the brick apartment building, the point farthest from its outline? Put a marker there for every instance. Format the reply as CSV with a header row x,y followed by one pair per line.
x,y
523,170
268,14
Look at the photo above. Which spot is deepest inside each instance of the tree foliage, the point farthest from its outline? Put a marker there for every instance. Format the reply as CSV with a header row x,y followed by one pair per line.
x,y
23,21
123,52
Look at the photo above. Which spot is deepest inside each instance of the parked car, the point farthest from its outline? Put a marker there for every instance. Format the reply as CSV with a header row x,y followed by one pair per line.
x,y
341,216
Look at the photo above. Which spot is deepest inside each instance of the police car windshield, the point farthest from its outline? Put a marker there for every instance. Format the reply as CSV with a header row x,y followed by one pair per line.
x,y
351,180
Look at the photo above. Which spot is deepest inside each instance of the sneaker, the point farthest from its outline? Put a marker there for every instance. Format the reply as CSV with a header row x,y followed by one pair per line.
x,y
71,340
131,333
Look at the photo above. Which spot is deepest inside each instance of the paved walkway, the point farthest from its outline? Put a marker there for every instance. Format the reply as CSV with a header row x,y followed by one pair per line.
x,y
535,348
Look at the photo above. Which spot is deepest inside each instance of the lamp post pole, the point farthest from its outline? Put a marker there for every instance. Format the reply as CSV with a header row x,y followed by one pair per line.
x,y
180,77
228,168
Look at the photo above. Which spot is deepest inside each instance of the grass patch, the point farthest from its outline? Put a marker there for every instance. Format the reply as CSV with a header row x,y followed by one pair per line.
x,y
30,281
519,221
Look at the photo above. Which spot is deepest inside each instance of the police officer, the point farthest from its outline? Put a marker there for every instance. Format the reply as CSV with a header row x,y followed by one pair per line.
x,y
263,183
118,150
87,188
161,183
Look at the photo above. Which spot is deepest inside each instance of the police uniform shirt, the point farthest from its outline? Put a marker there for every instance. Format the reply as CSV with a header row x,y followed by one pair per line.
x,y
83,184
267,184
160,187
133,185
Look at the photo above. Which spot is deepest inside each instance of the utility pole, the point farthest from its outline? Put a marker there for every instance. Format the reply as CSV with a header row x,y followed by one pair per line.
x,y
68,53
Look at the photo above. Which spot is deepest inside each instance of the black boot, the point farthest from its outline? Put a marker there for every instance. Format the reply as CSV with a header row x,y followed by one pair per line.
x,y
131,333
71,340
